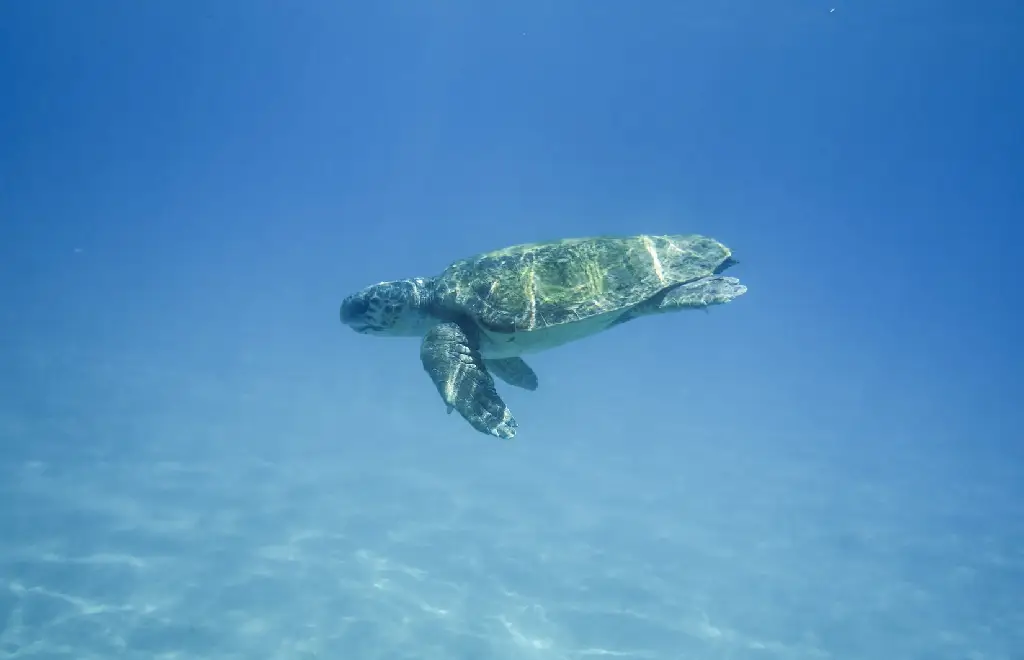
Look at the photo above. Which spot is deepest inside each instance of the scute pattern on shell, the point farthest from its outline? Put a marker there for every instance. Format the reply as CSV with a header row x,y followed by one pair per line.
x,y
539,285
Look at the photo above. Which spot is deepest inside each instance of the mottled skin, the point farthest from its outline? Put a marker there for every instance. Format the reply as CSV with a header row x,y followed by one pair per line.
x,y
480,314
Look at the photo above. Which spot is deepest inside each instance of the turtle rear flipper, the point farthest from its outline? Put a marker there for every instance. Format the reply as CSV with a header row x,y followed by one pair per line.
x,y
513,371
700,294
458,372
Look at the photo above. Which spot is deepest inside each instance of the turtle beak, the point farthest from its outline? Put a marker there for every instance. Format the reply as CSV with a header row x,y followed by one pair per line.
x,y
353,309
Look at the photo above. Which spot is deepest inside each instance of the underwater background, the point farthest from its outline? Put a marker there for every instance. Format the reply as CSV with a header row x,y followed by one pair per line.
x,y
197,460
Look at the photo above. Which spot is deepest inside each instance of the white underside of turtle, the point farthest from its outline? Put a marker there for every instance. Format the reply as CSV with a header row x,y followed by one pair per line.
x,y
494,345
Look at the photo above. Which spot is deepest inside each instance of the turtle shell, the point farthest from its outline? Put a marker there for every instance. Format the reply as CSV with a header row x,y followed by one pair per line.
x,y
535,286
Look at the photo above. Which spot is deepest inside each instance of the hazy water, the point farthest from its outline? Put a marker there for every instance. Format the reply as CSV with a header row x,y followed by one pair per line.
x,y
423,545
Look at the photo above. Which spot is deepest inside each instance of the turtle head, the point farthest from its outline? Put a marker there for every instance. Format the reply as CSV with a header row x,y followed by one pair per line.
x,y
390,309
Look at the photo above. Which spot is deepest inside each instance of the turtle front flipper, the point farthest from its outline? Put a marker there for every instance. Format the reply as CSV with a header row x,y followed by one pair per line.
x,y
513,371
463,382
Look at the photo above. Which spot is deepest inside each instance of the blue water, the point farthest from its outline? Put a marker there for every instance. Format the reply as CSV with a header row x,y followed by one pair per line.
x,y
197,460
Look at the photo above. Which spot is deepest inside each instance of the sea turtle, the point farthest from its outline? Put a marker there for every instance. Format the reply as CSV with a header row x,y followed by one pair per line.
x,y
479,315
